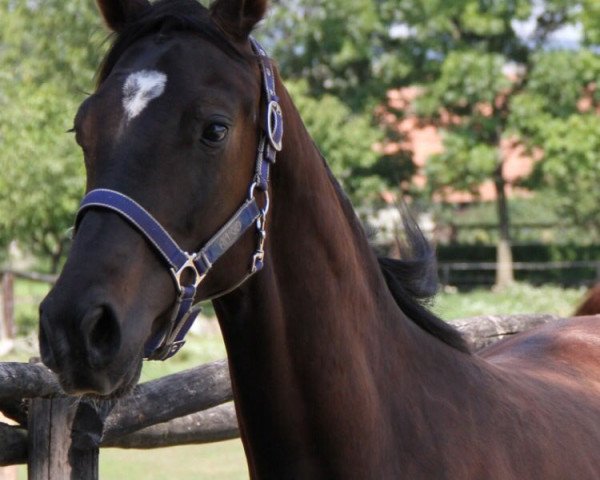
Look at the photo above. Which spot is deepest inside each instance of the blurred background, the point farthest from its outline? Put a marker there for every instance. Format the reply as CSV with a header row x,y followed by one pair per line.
x,y
483,115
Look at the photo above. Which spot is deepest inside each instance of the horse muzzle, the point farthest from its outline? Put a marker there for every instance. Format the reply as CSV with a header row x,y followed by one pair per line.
x,y
84,357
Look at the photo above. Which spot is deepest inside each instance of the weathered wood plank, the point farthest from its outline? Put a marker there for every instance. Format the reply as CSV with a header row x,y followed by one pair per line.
x,y
51,453
7,322
212,425
25,380
485,330
34,276
47,430
170,397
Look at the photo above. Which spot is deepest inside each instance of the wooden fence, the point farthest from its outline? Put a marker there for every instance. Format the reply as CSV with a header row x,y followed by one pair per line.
x,y
59,437
469,274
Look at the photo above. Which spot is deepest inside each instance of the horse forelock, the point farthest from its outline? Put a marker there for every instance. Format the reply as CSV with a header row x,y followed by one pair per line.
x,y
168,17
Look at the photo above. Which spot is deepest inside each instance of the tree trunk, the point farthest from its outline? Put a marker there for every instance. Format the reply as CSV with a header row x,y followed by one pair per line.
x,y
504,261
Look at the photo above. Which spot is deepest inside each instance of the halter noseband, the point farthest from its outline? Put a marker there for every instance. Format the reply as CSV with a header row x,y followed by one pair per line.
x,y
195,266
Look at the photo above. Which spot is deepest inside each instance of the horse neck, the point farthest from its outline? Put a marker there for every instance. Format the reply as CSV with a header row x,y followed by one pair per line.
x,y
308,336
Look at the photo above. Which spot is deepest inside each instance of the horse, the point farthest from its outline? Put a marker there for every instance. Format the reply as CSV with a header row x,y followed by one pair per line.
x,y
590,304
192,144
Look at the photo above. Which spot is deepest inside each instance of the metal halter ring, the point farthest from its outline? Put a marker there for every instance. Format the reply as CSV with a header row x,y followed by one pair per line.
x,y
189,265
265,209
274,116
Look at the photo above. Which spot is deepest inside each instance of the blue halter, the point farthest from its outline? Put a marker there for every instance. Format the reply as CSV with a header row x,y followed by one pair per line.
x,y
195,266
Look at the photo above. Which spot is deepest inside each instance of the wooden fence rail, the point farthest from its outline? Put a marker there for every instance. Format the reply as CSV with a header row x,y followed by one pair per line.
x,y
445,269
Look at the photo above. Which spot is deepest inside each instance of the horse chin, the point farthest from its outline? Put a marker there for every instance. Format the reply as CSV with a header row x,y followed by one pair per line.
x,y
128,383
102,387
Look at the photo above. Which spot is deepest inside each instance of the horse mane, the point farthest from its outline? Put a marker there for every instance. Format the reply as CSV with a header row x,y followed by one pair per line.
x,y
412,280
166,16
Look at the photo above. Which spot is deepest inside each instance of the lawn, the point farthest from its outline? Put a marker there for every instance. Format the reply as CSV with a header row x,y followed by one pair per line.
x,y
225,461
520,298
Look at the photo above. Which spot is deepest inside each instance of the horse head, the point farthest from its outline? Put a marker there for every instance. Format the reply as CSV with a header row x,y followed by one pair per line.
x,y
172,130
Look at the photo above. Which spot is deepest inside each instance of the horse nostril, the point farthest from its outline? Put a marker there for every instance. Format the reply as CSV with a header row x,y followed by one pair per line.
x,y
102,335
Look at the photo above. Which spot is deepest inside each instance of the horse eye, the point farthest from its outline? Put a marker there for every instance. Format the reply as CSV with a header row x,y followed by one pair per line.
x,y
214,133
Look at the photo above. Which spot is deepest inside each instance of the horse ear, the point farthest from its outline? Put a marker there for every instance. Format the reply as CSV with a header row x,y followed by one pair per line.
x,y
238,17
118,13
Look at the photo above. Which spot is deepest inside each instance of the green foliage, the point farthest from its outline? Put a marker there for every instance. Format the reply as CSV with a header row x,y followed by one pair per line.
x,y
467,80
340,47
42,172
590,18
28,296
464,164
560,78
558,116
347,53
484,82
345,138
571,168
48,57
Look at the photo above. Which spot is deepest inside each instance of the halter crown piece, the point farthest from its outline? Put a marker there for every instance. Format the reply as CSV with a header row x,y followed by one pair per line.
x,y
168,341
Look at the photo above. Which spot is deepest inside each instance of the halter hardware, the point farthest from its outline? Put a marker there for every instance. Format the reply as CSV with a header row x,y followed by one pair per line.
x,y
187,266
165,343
274,119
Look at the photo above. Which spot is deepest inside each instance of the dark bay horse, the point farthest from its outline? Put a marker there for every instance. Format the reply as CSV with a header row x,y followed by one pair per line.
x,y
338,371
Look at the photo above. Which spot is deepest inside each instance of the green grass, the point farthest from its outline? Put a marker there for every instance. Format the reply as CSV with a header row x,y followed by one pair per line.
x,y
28,296
219,461
520,298
222,461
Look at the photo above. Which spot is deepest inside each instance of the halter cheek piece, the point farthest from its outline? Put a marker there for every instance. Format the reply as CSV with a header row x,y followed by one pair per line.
x,y
189,269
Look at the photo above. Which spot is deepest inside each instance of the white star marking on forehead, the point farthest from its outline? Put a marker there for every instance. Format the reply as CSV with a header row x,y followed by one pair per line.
x,y
140,89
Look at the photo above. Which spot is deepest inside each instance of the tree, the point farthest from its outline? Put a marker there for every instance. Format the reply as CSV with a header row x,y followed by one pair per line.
x,y
477,64
344,48
48,58
558,114
347,56
49,51
345,138
470,88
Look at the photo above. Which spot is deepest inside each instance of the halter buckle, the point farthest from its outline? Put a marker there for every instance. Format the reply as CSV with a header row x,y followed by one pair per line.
x,y
190,267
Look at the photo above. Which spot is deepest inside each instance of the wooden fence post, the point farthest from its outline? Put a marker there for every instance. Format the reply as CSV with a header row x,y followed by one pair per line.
x,y
52,454
7,323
